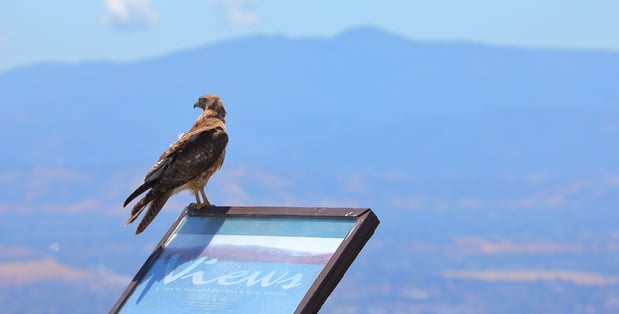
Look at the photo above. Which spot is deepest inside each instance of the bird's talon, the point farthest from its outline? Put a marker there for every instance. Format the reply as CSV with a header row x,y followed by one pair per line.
x,y
204,205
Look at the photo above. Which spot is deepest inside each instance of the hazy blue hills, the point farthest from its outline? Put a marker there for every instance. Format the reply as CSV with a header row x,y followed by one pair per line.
x,y
493,169
365,100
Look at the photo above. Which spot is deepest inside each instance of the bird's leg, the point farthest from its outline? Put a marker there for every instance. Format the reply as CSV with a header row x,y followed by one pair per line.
x,y
198,202
206,202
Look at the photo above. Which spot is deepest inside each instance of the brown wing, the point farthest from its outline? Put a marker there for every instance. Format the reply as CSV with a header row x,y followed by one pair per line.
x,y
194,156
185,160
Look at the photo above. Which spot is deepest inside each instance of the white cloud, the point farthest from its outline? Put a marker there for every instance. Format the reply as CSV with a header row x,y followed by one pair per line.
x,y
238,12
129,14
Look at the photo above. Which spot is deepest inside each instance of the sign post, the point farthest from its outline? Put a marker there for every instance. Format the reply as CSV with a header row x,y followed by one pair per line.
x,y
249,260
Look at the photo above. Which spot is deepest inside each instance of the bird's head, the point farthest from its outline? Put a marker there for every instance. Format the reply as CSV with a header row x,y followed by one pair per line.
x,y
211,103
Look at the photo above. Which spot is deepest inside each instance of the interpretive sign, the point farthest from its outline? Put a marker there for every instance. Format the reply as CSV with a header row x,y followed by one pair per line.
x,y
249,260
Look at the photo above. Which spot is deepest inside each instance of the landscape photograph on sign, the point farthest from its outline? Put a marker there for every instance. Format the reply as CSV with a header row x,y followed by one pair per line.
x,y
238,264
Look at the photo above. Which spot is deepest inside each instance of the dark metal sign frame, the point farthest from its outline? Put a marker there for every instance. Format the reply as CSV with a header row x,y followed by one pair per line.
x,y
363,225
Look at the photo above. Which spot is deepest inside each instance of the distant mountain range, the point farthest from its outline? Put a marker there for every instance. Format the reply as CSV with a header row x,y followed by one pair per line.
x,y
493,169
365,101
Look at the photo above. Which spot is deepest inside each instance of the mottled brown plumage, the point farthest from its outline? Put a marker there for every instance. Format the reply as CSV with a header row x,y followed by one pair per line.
x,y
186,165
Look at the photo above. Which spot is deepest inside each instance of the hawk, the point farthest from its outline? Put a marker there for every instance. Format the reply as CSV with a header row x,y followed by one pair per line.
x,y
186,165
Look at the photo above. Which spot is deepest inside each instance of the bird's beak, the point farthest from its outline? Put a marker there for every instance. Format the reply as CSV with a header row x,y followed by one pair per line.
x,y
197,105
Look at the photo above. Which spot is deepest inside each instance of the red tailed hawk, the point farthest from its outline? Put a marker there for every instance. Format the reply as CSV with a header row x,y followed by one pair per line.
x,y
186,165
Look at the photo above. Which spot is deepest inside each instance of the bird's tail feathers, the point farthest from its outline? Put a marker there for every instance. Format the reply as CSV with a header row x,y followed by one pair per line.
x,y
141,189
140,205
154,208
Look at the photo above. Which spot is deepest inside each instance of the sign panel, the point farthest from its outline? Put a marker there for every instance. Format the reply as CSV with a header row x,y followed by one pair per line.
x,y
240,260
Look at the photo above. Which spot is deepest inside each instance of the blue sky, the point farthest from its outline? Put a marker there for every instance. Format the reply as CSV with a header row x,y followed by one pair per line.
x,y
68,30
